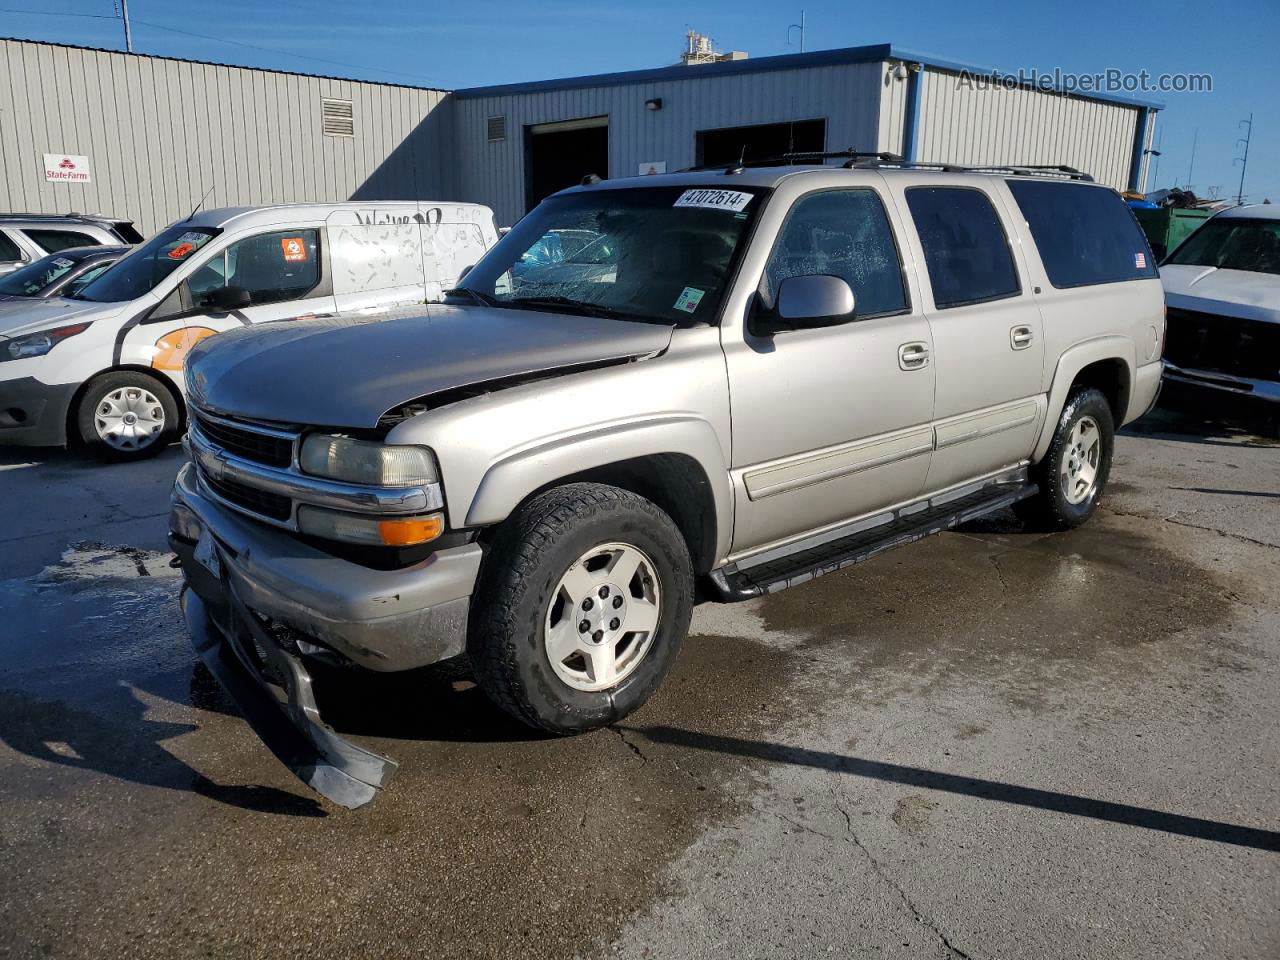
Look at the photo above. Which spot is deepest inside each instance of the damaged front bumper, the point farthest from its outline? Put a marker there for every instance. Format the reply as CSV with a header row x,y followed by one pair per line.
x,y
272,688
260,603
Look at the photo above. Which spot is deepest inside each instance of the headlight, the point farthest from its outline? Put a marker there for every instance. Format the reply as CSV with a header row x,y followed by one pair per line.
x,y
360,461
387,532
38,344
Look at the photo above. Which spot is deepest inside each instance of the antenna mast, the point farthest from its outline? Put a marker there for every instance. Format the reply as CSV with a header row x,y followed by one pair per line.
x,y
1243,161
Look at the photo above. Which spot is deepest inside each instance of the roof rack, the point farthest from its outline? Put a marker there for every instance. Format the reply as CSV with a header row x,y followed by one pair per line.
x,y
1017,169
817,157
72,214
868,160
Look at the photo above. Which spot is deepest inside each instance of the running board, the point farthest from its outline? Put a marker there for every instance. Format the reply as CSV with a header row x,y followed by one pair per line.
x,y
907,526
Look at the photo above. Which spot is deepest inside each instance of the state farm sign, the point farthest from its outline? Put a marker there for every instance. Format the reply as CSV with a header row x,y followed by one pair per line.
x,y
66,168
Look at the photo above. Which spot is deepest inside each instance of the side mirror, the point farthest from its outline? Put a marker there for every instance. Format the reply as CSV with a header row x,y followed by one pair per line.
x,y
816,300
226,299
462,274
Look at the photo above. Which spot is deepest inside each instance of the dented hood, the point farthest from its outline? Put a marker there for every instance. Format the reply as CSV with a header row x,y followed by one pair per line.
x,y
349,371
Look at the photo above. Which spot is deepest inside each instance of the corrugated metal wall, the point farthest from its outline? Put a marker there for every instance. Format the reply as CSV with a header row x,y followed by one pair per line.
x,y
160,132
999,125
848,97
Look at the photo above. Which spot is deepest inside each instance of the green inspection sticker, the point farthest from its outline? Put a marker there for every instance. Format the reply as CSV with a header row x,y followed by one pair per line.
x,y
689,299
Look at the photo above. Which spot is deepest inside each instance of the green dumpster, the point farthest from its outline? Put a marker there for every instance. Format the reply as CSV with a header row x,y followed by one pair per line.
x,y
1166,227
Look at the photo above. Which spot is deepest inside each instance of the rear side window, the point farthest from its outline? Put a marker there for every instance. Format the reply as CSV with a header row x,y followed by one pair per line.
x,y
965,246
51,241
1085,234
846,234
8,249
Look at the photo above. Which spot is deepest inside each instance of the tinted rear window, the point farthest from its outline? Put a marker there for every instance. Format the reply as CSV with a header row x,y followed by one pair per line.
x,y
965,247
1085,234
51,241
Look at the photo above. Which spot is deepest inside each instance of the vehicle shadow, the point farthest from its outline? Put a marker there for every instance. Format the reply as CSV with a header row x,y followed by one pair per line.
x,y
1166,424
1121,813
440,703
123,743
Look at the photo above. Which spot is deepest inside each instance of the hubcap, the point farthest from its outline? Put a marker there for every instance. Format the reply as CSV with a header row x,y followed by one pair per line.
x,y
129,418
603,617
1080,460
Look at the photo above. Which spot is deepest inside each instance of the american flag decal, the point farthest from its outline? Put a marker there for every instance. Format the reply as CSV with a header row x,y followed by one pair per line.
x,y
1140,261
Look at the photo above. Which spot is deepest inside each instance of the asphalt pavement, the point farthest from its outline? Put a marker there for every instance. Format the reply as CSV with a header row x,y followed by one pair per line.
x,y
992,743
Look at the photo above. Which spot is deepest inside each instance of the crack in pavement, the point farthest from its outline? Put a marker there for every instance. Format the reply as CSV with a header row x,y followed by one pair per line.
x,y
879,870
1194,526
622,735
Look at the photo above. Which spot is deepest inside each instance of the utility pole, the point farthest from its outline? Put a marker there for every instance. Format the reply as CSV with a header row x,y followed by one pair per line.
x,y
128,35
1243,161
797,26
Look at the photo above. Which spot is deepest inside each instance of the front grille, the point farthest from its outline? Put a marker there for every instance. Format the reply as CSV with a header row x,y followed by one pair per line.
x,y
1230,345
247,443
257,501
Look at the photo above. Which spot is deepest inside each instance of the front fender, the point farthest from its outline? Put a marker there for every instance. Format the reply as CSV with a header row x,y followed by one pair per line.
x,y
510,480
1069,366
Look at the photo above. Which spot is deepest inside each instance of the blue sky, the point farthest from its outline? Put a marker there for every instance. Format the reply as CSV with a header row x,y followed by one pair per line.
x,y
480,42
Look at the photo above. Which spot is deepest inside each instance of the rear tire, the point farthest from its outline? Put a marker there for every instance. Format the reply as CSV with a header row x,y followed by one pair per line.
x,y
127,416
581,554
1073,473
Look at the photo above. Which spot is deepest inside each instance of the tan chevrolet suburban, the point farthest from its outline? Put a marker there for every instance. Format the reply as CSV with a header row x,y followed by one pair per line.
x,y
720,384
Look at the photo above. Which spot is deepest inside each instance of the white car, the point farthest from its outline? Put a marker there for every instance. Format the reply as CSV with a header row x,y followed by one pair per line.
x,y
1222,289
105,366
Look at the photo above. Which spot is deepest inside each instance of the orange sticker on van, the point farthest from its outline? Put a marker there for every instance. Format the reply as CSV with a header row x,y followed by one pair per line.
x,y
294,248
172,348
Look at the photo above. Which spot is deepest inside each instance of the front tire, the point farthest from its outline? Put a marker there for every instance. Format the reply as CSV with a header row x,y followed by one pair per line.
x,y
126,416
1074,471
582,606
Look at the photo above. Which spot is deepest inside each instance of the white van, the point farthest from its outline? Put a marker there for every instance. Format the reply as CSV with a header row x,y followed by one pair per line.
x,y
106,365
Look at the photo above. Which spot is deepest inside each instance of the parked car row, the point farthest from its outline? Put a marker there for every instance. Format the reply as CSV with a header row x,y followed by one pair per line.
x,y
95,355
719,383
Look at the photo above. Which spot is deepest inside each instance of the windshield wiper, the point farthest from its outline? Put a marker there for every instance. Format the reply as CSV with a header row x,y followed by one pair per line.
x,y
481,298
568,304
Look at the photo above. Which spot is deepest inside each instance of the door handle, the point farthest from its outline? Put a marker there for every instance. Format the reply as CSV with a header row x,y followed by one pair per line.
x,y
1020,338
914,355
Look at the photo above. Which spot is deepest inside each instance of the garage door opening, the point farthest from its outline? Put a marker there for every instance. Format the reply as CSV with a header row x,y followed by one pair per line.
x,y
760,142
559,155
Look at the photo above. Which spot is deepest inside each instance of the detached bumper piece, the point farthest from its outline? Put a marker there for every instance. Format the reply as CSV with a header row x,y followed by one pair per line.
x,y
272,688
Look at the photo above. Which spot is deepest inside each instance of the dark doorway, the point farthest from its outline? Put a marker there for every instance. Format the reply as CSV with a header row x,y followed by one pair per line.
x,y
559,155
761,141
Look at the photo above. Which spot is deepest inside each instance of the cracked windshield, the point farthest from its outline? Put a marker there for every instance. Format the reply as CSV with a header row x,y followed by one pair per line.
x,y
644,254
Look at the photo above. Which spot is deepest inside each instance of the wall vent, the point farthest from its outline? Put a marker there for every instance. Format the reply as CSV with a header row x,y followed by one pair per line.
x,y
496,129
336,117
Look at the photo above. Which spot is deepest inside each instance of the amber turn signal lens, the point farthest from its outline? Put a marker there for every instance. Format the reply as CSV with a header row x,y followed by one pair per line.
x,y
410,531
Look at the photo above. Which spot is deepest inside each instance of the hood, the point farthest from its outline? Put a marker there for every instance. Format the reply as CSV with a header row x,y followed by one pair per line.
x,y
1232,293
349,371
26,315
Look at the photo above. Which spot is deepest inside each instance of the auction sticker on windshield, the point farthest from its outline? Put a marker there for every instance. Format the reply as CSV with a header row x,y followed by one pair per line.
x,y
689,299
188,243
731,200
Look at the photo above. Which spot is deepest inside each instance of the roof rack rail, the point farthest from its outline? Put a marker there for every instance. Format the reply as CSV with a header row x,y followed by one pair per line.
x,y
62,216
818,157
1017,169
867,160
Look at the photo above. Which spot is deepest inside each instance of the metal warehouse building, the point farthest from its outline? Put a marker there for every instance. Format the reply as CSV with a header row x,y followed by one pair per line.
x,y
153,134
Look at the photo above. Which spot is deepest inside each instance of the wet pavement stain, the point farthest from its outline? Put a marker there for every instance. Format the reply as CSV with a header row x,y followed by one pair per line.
x,y
1041,606
139,815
